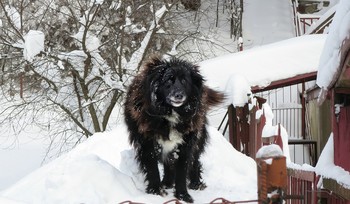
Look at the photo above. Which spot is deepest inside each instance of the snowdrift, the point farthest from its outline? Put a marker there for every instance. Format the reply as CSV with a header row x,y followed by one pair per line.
x,y
103,170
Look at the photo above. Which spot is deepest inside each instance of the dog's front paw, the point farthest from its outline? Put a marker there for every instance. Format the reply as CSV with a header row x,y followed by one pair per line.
x,y
197,186
156,191
184,196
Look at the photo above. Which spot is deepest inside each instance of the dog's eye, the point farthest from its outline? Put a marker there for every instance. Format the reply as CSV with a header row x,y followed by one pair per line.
x,y
183,81
170,79
168,83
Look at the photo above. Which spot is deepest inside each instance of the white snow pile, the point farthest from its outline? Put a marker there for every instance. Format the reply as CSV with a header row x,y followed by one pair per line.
x,y
269,151
33,44
237,90
270,130
103,170
326,167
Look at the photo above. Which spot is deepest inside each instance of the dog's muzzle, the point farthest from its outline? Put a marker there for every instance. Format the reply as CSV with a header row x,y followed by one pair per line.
x,y
177,98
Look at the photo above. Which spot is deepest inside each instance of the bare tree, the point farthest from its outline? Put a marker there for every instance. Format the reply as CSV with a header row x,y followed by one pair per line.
x,y
70,85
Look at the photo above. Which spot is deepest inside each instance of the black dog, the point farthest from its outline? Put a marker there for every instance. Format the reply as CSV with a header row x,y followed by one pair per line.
x,y
165,111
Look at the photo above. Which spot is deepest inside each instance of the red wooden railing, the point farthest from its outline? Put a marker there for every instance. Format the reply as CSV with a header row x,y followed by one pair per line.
x,y
302,183
306,22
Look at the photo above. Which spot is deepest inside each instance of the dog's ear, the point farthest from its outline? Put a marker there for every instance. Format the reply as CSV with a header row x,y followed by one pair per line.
x,y
197,78
153,65
151,72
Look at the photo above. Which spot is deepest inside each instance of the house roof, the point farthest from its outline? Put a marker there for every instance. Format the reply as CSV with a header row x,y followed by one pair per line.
x,y
335,49
265,64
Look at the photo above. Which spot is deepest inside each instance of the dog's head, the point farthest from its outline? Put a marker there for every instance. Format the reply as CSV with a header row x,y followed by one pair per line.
x,y
173,83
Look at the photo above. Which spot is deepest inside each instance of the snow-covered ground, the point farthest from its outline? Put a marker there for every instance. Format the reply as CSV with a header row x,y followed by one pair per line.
x,y
21,155
267,21
103,170
30,156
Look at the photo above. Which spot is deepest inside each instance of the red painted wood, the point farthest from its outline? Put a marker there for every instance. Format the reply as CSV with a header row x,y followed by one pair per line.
x,y
286,82
342,139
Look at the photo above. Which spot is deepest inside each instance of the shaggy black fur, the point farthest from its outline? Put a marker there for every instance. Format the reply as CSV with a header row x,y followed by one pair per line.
x,y
165,111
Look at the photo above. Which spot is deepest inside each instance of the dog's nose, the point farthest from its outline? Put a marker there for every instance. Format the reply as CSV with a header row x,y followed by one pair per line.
x,y
179,96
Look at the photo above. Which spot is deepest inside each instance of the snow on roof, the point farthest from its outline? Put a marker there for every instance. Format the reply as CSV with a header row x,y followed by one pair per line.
x,y
329,65
262,65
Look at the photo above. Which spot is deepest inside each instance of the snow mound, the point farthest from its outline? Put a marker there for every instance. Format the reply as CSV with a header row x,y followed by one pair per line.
x,y
103,170
326,167
269,151
238,90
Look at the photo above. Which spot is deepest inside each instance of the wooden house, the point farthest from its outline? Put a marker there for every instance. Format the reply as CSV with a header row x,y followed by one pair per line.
x,y
332,115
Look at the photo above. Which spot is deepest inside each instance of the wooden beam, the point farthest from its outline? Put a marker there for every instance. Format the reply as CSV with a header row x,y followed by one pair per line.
x,y
302,174
326,22
335,187
286,82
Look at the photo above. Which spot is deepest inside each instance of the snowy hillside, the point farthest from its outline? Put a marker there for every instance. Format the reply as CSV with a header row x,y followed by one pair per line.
x,y
266,22
103,170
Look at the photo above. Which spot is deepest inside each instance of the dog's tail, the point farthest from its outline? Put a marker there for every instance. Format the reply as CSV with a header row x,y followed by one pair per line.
x,y
214,97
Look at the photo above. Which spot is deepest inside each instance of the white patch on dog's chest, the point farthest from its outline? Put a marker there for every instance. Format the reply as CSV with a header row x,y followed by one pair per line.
x,y
175,138
173,118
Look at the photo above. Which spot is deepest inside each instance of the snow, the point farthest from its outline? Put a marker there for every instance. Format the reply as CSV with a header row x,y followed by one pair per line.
x,y
137,55
269,151
264,64
29,156
92,43
272,130
326,167
266,22
14,16
330,58
103,170
237,90
100,2
322,18
329,68
33,44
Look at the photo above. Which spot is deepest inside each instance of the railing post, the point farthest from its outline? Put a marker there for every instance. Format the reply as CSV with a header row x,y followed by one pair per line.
x,y
234,137
303,111
254,138
272,179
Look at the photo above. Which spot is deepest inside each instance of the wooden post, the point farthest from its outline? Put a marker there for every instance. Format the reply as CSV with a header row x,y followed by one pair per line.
x,y
303,111
232,121
272,177
253,133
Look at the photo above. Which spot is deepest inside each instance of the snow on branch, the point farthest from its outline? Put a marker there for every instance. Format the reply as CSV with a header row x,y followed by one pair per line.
x,y
33,44
138,55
